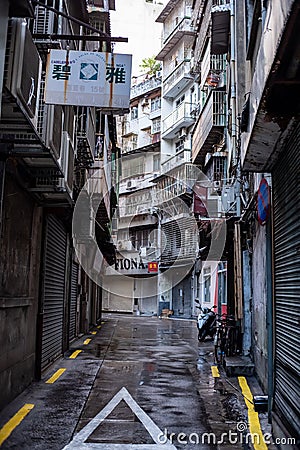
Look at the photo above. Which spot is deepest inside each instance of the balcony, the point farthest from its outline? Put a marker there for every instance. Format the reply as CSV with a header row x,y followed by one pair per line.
x,y
182,29
212,65
129,147
184,156
178,182
144,87
180,117
177,80
210,126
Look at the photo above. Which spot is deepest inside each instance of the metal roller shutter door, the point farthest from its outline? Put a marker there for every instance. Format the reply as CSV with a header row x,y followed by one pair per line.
x,y
287,284
73,301
54,291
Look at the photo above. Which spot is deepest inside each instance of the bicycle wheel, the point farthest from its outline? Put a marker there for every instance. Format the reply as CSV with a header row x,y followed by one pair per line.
x,y
231,342
217,347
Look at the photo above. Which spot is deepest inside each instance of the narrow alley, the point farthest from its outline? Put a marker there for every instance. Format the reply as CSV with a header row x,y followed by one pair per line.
x,y
149,224
169,390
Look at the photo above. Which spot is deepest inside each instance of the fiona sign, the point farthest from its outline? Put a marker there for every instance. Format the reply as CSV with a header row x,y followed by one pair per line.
x,y
130,264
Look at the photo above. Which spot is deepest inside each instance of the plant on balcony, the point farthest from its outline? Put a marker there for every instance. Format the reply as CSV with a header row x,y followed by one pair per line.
x,y
150,66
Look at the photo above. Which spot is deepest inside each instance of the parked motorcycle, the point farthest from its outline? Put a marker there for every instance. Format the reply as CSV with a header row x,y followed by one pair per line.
x,y
206,321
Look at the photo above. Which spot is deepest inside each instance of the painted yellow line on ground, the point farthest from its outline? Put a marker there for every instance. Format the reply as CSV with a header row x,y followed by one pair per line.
x,y
93,332
99,326
102,322
254,423
9,427
215,371
75,354
55,376
87,341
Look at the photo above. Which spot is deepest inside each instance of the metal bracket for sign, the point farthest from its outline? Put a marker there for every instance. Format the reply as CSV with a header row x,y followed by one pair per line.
x,y
79,441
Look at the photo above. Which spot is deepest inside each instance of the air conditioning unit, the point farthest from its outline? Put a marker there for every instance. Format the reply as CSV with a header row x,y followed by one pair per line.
x,y
51,128
131,184
124,245
85,231
66,163
23,69
228,199
44,20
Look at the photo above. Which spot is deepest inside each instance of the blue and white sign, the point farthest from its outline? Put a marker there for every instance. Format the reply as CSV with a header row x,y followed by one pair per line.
x,y
88,79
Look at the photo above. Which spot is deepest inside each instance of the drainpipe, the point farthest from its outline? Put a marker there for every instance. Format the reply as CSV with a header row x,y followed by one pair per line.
x,y
233,78
233,102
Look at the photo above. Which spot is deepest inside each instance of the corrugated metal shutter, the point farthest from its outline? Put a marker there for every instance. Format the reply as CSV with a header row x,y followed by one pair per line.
x,y
287,284
180,239
73,301
54,290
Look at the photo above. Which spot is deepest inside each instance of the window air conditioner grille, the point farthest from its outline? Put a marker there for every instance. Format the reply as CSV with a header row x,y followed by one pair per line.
x,y
44,20
41,111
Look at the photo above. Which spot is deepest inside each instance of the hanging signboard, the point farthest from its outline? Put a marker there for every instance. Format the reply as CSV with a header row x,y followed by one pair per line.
x,y
88,79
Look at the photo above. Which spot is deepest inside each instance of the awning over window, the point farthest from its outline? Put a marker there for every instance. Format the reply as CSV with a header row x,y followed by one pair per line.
x,y
220,32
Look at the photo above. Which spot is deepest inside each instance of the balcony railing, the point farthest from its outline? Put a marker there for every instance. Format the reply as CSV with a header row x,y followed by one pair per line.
x,y
209,128
220,2
212,63
180,117
129,147
144,87
171,37
176,182
178,77
137,203
184,156
183,24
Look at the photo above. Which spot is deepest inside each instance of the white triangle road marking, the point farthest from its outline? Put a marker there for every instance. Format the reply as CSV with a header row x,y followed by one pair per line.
x,y
78,443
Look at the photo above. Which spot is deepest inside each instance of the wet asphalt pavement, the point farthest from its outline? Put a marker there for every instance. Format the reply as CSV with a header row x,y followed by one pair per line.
x,y
170,397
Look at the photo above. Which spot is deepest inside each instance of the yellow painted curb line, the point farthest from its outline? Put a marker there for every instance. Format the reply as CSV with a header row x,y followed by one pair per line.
x,y
9,427
55,376
215,371
93,332
87,341
75,354
254,423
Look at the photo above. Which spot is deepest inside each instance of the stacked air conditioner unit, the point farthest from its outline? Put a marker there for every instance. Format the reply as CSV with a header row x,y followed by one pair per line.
x,y
22,72
86,130
66,164
131,184
44,19
124,245
50,126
